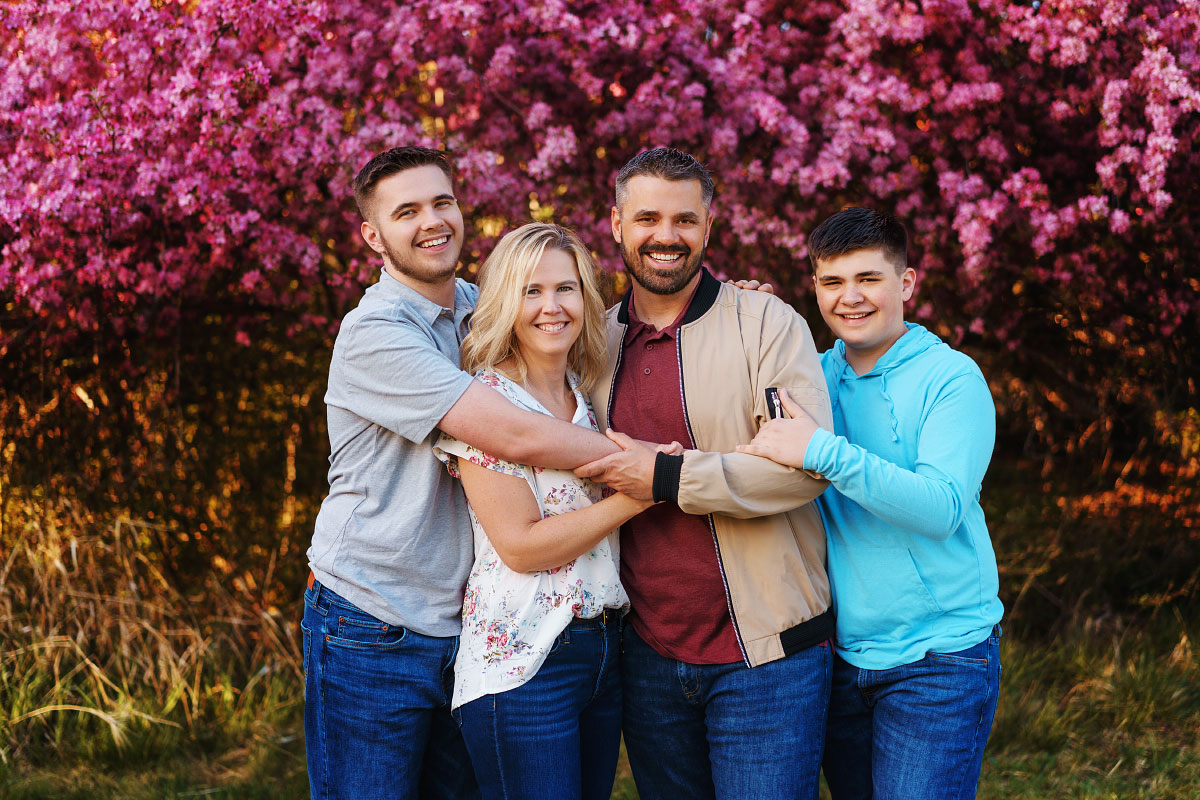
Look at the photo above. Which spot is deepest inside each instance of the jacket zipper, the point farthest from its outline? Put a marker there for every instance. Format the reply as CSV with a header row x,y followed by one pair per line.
x,y
737,632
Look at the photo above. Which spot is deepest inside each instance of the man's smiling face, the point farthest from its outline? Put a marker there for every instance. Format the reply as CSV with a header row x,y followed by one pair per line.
x,y
662,227
416,225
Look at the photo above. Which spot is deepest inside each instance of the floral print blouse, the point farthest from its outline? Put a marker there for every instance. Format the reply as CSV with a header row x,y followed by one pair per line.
x,y
510,619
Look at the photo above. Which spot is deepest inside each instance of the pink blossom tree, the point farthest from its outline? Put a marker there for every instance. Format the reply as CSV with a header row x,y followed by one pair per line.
x,y
174,161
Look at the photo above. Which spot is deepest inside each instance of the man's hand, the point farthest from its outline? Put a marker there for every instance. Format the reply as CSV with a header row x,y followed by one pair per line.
x,y
754,286
630,471
784,441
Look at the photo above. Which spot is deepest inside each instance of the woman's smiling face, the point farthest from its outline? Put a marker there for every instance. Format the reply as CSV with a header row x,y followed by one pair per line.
x,y
552,314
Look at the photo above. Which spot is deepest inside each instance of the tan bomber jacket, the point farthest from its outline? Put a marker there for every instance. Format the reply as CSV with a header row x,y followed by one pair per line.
x,y
732,346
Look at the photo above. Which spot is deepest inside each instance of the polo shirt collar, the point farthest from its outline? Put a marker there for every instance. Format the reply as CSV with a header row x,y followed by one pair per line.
x,y
426,308
636,326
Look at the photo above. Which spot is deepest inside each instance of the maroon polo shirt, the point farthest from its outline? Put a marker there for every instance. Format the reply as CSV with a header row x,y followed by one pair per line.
x,y
668,558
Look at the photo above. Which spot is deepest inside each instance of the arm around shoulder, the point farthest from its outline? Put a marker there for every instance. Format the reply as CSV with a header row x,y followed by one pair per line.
x,y
486,420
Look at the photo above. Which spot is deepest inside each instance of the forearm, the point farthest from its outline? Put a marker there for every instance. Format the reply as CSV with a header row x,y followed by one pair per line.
x,y
930,504
487,421
743,486
559,539
931,493
737,485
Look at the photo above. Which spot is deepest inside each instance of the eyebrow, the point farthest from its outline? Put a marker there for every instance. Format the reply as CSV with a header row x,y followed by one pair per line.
x,y
870,273
414,204
651,212
535,284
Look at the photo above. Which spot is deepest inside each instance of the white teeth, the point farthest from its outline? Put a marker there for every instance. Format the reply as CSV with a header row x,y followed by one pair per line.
x,y
434,242
857,316
552,327
665,258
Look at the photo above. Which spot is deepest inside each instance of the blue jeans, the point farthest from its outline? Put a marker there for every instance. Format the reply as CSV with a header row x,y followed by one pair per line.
x,y
377,718
916,731
724,730
558,735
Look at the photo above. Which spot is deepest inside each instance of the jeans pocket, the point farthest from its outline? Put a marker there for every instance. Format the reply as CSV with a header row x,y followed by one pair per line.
x,y
559,641
975,656
354,629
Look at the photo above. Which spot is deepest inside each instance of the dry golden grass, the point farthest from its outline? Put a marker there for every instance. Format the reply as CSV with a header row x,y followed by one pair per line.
x,y
97,638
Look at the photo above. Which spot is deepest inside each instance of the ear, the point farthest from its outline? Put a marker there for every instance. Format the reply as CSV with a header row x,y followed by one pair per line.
x,y
371,237
616,224
908,282
708,226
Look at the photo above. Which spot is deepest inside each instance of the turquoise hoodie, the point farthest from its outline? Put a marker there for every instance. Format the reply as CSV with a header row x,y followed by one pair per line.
x,y
910,558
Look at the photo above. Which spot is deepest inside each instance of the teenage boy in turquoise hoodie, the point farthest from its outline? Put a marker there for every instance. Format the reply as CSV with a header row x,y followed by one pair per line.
x,y
913,571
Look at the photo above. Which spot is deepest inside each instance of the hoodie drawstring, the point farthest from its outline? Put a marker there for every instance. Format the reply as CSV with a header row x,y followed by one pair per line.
x,y
891,406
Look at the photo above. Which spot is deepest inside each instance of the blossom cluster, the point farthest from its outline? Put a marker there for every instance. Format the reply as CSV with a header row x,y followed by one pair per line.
x,y
162,156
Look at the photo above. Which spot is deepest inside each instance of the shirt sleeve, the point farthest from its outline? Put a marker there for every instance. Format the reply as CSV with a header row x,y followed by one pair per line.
x,y
954,448
393,375
449,450
744,486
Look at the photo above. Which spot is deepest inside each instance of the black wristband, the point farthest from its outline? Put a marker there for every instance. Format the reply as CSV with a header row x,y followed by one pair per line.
x,y
666,478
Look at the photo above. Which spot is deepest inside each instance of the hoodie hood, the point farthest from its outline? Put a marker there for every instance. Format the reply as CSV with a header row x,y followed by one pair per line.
x,y
910,345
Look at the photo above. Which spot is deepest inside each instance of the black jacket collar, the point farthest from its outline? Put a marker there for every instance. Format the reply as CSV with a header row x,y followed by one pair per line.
x,y
706,295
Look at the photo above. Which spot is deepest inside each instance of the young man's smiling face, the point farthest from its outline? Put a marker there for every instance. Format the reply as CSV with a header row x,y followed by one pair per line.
x,y
662,227
416,225
861,297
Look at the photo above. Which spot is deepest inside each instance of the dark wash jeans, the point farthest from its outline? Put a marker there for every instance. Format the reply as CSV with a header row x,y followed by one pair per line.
x,y
558,735
724,730
913,732
377,718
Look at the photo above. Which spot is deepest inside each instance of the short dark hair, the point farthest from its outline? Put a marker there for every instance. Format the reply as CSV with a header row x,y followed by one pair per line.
x,y
389,162
669,164
853,229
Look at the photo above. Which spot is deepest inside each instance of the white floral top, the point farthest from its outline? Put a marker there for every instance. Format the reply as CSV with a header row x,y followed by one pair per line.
x,y
511,619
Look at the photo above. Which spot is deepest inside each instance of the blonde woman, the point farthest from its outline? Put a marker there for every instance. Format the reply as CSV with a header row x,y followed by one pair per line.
x,y
536,681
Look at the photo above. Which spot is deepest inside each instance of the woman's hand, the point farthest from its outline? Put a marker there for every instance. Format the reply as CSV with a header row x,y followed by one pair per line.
x,y
672,449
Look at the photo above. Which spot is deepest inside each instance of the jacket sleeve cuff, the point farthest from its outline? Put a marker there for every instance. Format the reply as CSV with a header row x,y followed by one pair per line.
x,y
666,478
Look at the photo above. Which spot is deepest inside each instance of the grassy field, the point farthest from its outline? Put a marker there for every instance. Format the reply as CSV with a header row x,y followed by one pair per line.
x,y
1111,714
122,676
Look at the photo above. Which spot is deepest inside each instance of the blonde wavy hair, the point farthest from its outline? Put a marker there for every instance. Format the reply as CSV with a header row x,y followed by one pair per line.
x,y
502,281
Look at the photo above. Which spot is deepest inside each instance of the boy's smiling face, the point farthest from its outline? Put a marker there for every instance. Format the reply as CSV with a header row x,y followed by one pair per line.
x,y
861,297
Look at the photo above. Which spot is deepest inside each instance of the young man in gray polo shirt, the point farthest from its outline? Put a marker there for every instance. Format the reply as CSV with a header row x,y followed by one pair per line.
x,y
392,545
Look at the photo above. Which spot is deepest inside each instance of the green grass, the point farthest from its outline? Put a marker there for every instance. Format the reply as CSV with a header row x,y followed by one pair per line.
x,y
143,660
1105,710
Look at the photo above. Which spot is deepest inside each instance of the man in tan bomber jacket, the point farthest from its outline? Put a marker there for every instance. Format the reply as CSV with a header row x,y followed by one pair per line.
x,y
726,659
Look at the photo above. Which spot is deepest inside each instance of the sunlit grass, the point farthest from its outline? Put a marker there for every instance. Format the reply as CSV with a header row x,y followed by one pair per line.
x,y
110,672
119,680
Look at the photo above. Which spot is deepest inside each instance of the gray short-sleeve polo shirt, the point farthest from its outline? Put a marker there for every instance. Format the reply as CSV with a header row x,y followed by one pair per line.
x,y
393,535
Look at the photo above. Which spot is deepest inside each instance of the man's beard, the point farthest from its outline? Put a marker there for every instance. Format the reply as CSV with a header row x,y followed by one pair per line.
x,y
405,267
662,281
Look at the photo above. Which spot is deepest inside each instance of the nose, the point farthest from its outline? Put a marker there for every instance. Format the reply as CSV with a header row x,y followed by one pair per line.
x,y
665,233
852,296
430,218
550,303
